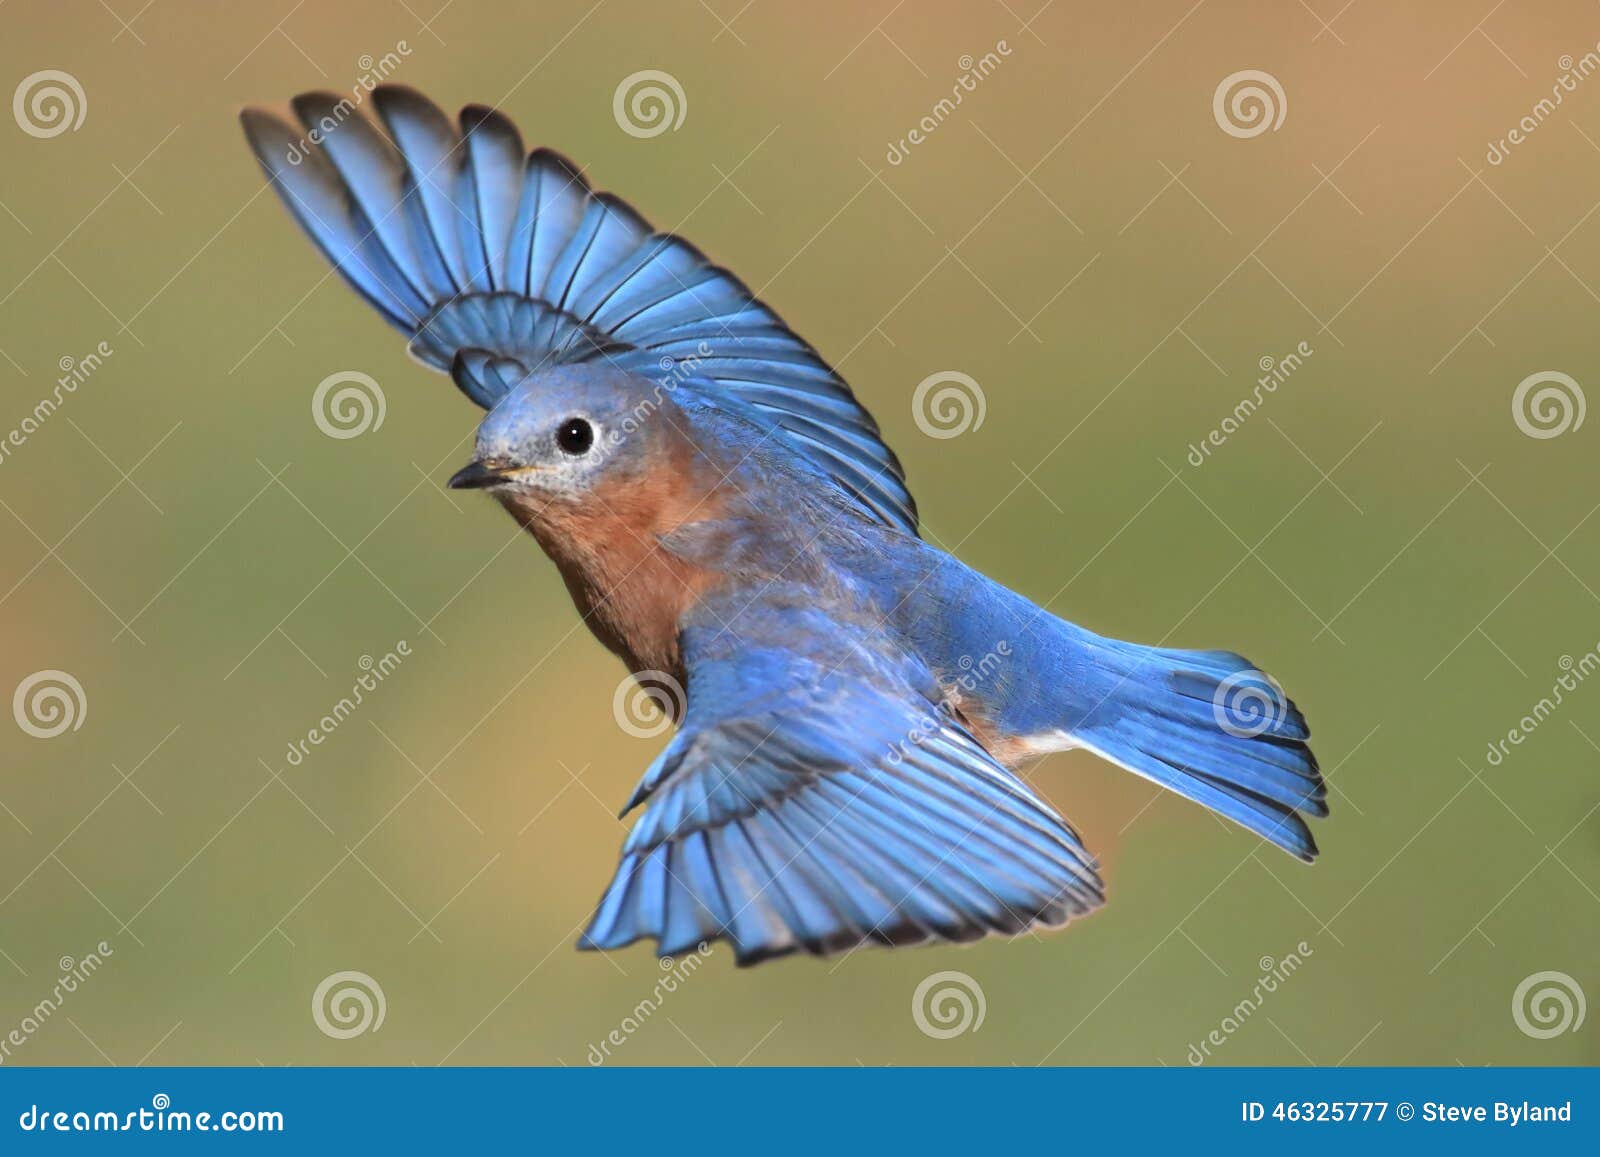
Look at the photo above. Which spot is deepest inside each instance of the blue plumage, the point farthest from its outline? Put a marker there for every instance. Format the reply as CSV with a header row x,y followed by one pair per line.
x,y
1206,724
817,784
854,702
464,243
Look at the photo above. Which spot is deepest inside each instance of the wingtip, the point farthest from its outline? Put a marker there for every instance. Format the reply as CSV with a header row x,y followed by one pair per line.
x,y
640,794
254,118
473,115
402,94
389,90
318,105
266,133
544,154
491,127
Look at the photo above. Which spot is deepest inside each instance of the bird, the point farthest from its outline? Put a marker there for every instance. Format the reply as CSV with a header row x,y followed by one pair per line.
x,y
855,708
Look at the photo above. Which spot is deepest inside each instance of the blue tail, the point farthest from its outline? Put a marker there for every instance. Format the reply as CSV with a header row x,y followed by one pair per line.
x,y
1211,727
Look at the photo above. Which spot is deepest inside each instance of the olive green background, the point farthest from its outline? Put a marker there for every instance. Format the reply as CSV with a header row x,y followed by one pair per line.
x,y
1082,238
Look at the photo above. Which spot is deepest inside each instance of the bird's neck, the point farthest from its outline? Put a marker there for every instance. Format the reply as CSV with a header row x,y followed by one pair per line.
x,y
632,591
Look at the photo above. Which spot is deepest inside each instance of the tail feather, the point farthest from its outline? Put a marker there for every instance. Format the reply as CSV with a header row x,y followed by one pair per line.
x,y
1213,728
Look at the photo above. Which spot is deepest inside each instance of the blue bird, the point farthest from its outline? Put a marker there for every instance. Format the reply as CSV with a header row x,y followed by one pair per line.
x,y
852,702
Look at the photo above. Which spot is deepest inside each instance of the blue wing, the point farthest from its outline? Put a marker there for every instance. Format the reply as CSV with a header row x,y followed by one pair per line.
x,y
816,800
496,262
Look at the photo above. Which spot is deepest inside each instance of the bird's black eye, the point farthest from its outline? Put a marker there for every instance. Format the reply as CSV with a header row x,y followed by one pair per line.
x,y
575,436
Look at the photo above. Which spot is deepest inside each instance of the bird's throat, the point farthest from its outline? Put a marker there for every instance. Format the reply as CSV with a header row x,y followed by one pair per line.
x,y
630,589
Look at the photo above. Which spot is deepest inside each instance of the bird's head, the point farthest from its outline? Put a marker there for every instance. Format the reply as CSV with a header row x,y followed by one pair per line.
x,y
600,465
570,434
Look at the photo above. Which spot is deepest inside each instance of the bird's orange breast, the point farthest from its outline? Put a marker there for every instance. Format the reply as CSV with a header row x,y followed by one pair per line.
x,y
631,590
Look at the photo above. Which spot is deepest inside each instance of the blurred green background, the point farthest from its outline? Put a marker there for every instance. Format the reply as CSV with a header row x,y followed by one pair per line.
x,y
1082,238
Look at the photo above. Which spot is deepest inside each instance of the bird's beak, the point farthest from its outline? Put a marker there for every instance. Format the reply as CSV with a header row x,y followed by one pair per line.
x,y
477,475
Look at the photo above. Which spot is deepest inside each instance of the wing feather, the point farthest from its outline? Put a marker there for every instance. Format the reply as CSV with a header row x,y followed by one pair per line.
x,y
465,242
815,800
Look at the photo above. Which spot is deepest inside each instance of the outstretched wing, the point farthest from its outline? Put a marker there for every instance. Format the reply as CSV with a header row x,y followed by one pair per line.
x,y
814,801
495,263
